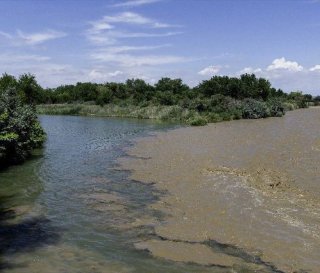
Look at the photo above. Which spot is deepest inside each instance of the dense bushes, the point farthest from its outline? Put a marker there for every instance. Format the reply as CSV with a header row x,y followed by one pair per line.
x,y
20,131
172,92
219,98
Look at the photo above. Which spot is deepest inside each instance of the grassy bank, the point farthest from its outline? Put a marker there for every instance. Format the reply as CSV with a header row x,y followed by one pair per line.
x,y
160,112
217,99
216,110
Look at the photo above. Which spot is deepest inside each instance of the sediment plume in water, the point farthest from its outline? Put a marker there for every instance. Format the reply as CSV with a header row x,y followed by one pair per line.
x,y
240,192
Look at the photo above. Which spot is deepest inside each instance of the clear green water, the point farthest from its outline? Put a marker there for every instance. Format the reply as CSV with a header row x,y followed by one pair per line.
x,y
55,216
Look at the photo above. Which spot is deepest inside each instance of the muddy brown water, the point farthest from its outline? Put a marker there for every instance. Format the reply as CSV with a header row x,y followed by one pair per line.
x,y
241,194
238,196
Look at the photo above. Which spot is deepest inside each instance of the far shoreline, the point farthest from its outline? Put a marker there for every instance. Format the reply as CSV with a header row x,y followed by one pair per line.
x,y
157,113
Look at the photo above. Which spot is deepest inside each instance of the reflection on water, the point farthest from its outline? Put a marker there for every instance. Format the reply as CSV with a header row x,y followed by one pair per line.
x,y
69,210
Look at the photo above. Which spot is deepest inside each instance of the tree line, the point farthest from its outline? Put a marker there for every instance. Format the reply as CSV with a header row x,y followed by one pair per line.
x,y
166,91
219,98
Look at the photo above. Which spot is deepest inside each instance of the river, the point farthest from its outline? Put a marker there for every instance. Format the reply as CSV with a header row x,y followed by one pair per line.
x,y
68,209
73,208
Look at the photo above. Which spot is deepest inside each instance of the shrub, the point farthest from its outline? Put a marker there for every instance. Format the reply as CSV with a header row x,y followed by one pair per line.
x,y
276,108
197,121
20,130
253,109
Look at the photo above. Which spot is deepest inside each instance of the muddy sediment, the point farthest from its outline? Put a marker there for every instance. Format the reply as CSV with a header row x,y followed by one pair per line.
x,y
251,186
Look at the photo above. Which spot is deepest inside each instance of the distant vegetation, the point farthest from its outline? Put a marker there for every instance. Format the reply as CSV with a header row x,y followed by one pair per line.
x,y
20,130
217,99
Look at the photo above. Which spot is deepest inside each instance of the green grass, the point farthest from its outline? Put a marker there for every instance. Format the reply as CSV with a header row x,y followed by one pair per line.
x,y
162,112
223,110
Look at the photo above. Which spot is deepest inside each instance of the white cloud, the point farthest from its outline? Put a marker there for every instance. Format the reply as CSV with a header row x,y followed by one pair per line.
x,y
315,68
250,70
283,74
103,31
14,58
210,70
41,37
101,39
5,35
127,60
134,19
283,64
99,26
143,35
115,73
106,36
135,3
108,22
122,49
128,18
112,37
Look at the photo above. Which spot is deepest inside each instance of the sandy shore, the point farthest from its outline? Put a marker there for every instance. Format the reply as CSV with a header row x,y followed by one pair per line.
x,y
240,194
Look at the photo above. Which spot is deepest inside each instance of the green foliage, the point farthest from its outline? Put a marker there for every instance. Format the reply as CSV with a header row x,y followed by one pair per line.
x,y
7,81
299,99
217,99
253,109
197,121
29,90
20,131
276,108
316,100
247,86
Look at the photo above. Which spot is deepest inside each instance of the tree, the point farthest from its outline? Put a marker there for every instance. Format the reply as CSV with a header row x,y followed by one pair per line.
x,y
139,90
20,130
7,81
29,90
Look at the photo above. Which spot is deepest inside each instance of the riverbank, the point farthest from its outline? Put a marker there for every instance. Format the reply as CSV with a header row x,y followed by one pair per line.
x,y
174,113
241,193
217,109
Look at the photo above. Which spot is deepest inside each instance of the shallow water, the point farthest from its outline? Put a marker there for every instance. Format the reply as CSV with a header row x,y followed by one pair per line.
x,y
199,199
249,186
69,210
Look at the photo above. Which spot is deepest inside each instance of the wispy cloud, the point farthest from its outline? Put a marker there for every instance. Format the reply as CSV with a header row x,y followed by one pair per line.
x,y
99,26
129,60
128,18
21,39
14,58
143,34
99,74
210,70
113,55
108,23
122,55
134,3
112,37
111,28
122,49
5,35
40,37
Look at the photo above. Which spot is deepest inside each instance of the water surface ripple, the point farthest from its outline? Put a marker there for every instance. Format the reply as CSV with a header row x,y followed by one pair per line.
x,y
69,210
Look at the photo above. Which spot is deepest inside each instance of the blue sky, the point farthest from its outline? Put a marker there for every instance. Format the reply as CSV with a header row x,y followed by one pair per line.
x,y
68,41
